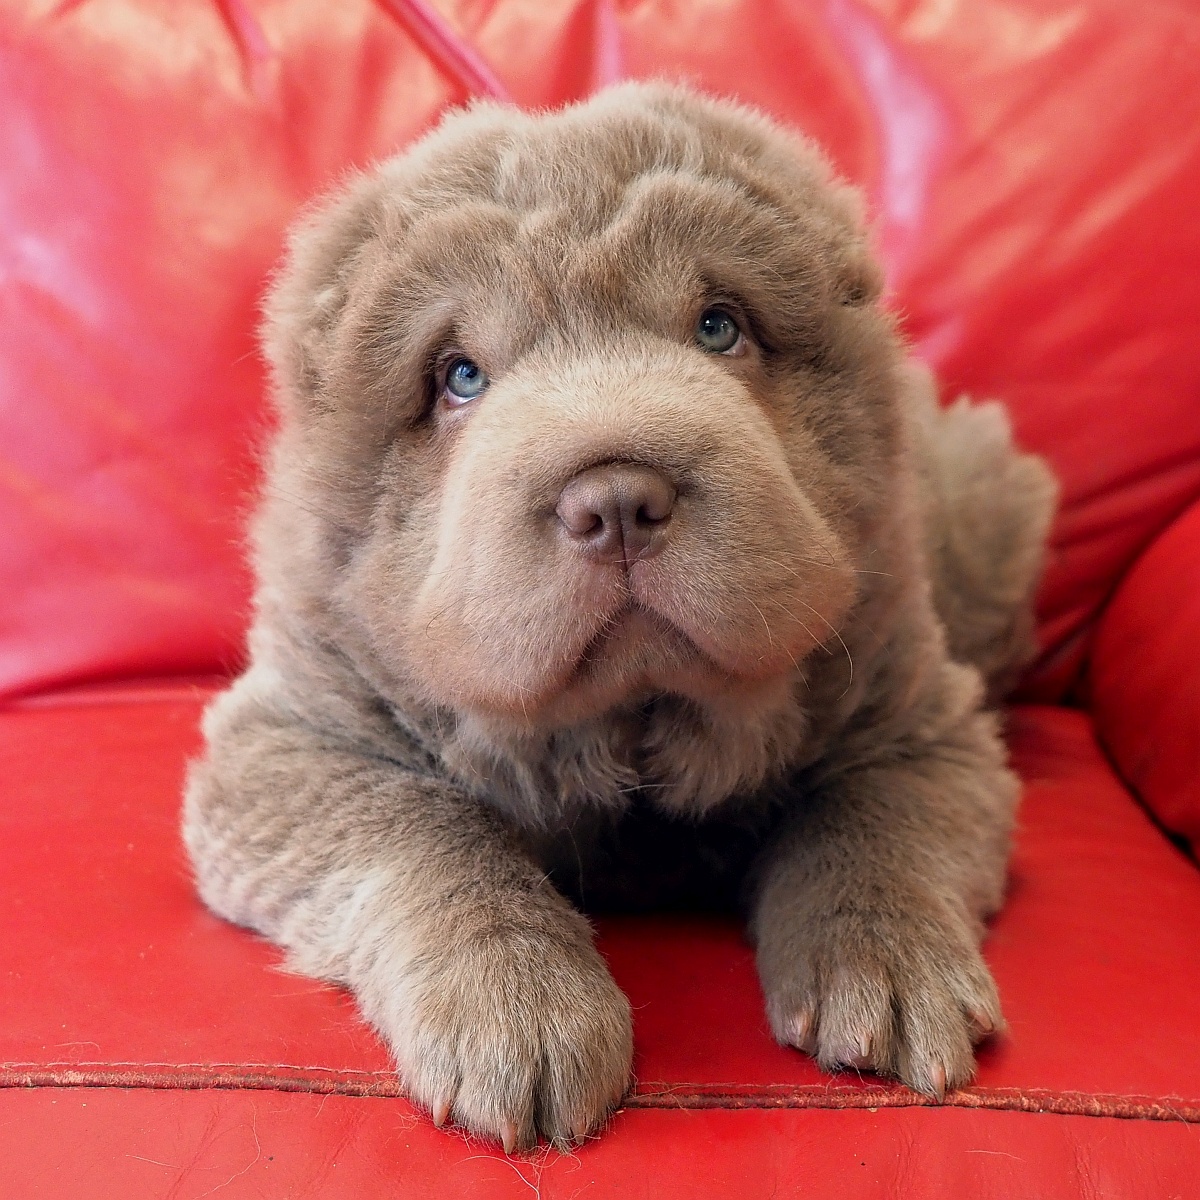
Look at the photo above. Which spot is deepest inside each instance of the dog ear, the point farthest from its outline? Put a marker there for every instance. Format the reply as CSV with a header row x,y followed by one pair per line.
x,y
857,275
309,292
860,277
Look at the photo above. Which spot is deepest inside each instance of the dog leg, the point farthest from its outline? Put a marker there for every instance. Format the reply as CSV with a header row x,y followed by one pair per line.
x,y
869,906
483,980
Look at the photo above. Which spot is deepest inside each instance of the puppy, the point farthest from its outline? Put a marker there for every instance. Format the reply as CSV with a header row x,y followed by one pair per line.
x,y
611,549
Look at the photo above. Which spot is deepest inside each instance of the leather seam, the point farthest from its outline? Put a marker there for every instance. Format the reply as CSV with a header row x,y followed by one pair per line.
x,y
362,1083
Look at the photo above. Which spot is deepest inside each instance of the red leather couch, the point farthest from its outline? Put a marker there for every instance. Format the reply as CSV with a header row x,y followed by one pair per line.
x,y
1035,171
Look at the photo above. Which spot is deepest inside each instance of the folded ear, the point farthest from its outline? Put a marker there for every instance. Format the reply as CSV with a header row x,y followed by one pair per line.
x,y
858,275
309,292
836,208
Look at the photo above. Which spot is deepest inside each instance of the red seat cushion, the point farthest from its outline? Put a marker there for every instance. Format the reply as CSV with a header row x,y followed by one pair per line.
x,y
116,977
85,1144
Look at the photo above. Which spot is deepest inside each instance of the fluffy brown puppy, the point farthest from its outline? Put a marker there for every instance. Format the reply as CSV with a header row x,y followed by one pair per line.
x,y
611,549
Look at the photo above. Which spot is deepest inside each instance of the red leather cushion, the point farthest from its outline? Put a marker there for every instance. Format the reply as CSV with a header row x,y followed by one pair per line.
x,y
113,974
1145,681
112,1144
1033,167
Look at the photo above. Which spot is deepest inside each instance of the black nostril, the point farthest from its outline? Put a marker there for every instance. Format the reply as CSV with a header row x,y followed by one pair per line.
x,y
646,516
617,513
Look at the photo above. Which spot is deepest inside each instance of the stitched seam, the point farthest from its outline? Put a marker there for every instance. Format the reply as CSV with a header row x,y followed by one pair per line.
x,y
325,1080
207,1064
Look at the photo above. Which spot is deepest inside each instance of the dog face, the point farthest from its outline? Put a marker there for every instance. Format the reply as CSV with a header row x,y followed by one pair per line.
x,y
587,407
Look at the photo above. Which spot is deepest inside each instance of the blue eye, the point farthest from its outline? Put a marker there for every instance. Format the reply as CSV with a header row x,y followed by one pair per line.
x,y
718,332
465,380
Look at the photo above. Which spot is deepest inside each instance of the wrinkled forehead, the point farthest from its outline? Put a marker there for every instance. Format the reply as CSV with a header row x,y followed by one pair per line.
x,y
587,155
635,217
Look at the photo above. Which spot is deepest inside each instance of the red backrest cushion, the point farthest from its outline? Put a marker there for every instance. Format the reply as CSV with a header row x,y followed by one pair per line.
x,y
1034,170
1143,683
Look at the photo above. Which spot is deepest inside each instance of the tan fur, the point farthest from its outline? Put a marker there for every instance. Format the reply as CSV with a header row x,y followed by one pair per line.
x,y
452,719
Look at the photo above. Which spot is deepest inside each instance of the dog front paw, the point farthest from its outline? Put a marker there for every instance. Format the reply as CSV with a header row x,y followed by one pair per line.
x,y
905,994
515,1037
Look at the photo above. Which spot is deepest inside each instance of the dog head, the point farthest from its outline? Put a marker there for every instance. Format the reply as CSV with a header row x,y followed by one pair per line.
x,y
583,408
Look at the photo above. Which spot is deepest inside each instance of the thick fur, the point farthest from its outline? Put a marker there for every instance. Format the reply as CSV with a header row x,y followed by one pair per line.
x,y
452,720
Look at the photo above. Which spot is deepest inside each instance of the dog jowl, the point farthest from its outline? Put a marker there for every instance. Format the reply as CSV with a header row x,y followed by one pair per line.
x,y
611,547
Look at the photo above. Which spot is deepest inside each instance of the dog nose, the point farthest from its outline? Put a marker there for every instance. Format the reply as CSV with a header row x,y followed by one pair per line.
x,y
618,512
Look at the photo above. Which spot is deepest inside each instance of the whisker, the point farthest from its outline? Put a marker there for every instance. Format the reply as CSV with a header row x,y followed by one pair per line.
x,y
836,634
281,494
771,636
766,626
825,622
817,563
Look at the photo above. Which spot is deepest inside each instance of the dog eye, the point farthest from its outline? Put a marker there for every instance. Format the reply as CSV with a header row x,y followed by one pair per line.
x,y
718,332
465,380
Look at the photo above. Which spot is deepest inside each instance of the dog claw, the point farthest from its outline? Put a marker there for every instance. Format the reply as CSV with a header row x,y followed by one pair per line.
x,y
579,1130
441,1112
800,1032
861,1058
937,1081
856,1055
508,1136
984,1025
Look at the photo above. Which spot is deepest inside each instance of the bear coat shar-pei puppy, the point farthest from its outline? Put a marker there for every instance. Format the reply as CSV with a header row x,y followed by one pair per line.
x,y
613,554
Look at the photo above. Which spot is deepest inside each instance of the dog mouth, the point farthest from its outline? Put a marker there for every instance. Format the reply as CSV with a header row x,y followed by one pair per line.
x,y
631,620
636,643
